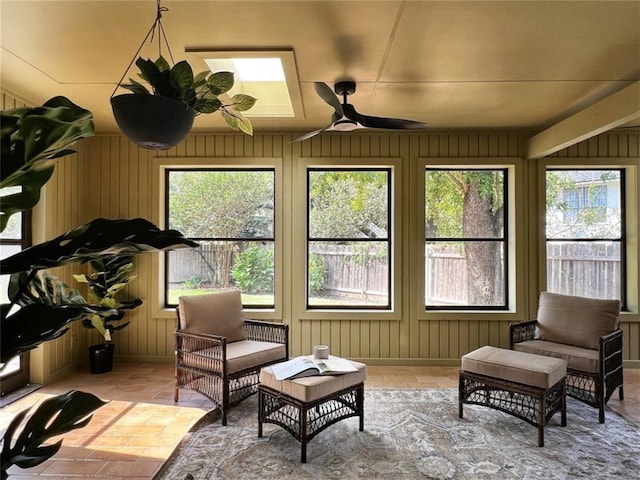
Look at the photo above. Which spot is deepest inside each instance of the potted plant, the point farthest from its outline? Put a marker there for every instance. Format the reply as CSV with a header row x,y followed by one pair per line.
x,y
31,139
161,117
110,275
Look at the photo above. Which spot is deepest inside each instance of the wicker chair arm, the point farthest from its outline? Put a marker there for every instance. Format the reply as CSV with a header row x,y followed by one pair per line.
x,y
522,332
267,331
611,344
212,340
201,351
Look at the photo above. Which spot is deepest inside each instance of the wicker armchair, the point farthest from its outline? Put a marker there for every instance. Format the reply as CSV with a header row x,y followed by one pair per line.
x,y
219,353
586,333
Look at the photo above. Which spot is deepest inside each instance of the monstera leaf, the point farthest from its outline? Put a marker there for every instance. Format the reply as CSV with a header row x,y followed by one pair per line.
x,y
35,323
54,416
32,138
99,238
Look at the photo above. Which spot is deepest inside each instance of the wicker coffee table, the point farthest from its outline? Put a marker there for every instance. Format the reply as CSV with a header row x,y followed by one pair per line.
x,y
306,406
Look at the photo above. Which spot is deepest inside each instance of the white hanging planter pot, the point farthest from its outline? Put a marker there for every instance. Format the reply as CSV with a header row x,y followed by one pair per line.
x,y
152,121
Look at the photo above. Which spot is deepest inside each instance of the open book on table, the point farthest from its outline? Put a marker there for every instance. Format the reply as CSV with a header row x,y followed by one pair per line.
x,y
307,366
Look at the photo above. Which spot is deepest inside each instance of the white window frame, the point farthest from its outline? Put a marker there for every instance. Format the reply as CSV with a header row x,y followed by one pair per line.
x,y
300,221
516,258
158,217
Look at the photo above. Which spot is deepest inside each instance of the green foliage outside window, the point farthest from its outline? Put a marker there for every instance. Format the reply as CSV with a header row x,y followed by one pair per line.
x,y
253,270
317,272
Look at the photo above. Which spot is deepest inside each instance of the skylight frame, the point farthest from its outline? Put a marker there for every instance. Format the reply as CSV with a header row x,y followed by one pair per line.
x,y
287,59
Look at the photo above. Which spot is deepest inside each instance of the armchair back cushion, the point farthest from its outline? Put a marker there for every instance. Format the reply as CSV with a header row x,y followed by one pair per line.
x,y
576,321
217,313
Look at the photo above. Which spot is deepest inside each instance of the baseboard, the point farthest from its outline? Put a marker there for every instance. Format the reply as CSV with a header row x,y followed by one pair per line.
x,y
142,359
395,362
410,362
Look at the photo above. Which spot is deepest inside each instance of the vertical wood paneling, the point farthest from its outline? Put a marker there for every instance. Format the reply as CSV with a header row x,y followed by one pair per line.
x,y
113,179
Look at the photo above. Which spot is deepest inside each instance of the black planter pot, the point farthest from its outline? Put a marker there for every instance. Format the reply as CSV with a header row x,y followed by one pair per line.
x,y
152,121
101,357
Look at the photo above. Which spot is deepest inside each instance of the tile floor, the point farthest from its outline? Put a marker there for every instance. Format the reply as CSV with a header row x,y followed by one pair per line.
x,y
132,436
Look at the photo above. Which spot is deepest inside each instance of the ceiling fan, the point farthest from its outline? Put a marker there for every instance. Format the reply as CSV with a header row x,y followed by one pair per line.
x,y
345,118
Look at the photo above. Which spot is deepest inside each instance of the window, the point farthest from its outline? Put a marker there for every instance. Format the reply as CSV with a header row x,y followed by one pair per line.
x,y
349,238
585,201
230,213
585,232
15,237
465,238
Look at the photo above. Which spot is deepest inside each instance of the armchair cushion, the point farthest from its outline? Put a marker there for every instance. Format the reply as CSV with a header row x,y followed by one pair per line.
x,y
240,355
217,313
576,321
583,359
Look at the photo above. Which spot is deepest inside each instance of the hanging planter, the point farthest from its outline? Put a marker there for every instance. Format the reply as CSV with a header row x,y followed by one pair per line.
x,y
161,116
151,121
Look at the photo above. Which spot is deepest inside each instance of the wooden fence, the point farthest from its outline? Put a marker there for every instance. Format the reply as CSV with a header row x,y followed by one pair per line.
x,y
583,269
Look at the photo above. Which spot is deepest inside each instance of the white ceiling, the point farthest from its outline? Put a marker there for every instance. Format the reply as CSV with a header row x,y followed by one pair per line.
x,y
453,64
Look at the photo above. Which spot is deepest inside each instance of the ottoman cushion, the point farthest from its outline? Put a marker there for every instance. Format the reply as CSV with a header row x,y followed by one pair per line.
x,y
308,389
520,367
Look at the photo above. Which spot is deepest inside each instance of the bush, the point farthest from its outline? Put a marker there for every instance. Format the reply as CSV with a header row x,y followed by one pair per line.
x,y
253,270
317,272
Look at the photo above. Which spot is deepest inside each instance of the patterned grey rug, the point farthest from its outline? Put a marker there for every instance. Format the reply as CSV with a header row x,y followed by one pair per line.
x,y
413,434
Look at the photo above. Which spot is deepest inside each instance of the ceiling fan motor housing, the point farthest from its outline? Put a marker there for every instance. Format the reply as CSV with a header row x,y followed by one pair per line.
x,y
345,87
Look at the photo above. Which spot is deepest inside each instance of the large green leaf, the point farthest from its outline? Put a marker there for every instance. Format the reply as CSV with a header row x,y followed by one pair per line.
x,y
181,76
33,324
237,122
136,87
32,137
53,417
32,182
99,238
220,82
242,102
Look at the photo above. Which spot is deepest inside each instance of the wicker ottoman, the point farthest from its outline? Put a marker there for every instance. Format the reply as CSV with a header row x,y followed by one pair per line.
x,y
530,387
306,406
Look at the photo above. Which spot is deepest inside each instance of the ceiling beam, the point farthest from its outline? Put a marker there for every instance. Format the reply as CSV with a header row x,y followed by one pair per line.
x,y
610,112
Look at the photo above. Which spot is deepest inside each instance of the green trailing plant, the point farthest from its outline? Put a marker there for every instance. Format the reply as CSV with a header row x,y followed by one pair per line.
x,y
201,92
110,275
53,417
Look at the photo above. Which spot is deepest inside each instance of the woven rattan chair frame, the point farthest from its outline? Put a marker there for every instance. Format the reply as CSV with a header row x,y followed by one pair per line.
x,y
304,420
594,389
201,362
532,404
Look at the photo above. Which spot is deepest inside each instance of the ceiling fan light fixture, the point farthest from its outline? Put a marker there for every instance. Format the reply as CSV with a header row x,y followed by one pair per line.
x,y
345,125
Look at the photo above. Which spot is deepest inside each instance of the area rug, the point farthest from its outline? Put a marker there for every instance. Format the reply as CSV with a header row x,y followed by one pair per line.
x,y
412,434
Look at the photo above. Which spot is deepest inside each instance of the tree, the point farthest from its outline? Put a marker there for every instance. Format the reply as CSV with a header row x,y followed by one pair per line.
x,y
469,204
225,205
348,204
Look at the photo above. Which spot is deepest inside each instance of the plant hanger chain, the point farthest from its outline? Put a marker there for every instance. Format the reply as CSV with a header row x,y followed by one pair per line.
x,y
151,33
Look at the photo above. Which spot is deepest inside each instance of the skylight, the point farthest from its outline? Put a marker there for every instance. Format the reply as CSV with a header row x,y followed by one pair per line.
x,y
270,76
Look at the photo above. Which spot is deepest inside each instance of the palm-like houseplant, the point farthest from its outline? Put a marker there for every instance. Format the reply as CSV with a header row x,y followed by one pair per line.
x,y
31,140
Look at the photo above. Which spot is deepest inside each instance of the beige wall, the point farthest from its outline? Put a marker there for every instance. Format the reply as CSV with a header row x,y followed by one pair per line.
x,y
118,181
111,177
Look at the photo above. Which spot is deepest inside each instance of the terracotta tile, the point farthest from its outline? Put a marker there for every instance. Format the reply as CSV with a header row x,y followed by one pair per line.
x,y
131,436
73,467
142,468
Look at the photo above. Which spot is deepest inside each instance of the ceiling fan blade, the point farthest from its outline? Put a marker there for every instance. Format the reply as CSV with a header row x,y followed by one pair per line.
x,y
381,122
310,134
391,123
325,93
